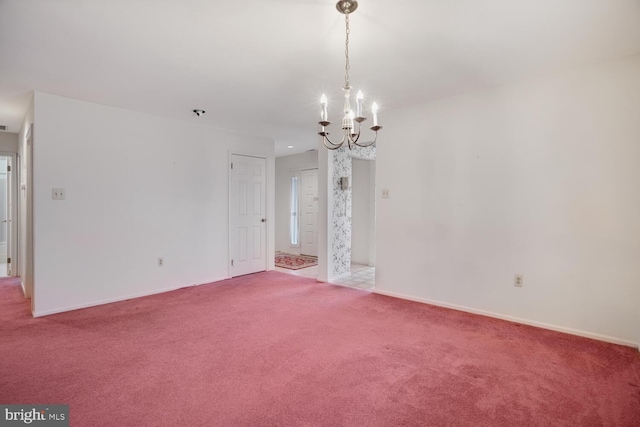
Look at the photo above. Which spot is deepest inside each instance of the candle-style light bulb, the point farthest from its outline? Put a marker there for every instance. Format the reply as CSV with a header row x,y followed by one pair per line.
x,y
351,116
323,111
374,111
359,99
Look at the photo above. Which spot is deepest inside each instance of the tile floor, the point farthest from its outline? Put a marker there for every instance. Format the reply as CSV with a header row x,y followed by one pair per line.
x,y
361,277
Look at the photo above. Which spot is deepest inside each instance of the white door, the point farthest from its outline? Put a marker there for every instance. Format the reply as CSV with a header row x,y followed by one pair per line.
x,y
247,201
5,209
309,211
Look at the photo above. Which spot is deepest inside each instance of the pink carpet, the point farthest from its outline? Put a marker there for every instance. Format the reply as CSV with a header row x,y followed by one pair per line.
x,y
273,349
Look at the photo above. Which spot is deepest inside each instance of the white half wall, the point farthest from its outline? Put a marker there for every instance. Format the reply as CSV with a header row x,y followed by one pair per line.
x,y
286,168
138,187
539,178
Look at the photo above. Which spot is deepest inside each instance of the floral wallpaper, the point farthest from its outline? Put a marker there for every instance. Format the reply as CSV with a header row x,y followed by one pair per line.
x,y
340,214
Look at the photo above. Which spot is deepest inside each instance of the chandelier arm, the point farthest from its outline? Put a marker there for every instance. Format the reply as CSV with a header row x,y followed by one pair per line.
x,y
332,145
367,144
329,147
357,136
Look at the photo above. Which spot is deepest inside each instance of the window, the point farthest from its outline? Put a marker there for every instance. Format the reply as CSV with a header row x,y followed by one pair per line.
x,y
294,228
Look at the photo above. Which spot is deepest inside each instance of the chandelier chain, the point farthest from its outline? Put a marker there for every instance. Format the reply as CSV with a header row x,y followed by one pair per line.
x,y
346,51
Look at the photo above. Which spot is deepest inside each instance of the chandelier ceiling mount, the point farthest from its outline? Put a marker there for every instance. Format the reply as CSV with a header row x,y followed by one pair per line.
x,y
347,6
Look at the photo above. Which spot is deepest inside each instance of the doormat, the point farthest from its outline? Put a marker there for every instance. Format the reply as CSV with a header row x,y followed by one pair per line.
x,y
295,262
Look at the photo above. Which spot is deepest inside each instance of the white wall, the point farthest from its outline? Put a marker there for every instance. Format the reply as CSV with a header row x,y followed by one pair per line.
x,y
539,178
361,216
138,187
9,142
287,167
372,213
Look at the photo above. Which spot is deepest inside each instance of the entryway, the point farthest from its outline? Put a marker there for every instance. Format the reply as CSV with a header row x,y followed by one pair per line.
x,y
363,225
303,223
6,215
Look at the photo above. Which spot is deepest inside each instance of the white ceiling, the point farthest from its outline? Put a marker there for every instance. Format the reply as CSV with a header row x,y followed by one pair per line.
x,y
259,66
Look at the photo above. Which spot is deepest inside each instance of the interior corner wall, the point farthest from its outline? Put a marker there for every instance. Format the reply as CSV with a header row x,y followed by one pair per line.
x,y
287,167
538,178
9,142
138,187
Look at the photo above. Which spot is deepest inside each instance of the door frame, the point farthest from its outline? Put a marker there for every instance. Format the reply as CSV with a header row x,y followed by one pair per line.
x,y
27,241
300,208
294,173
12,229
372,208
267,235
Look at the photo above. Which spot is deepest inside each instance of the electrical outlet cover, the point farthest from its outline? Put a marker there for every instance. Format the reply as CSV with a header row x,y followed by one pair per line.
x,y
57,193
517,280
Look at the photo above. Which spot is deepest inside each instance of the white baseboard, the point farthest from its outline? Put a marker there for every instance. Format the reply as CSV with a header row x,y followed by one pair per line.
x,y
578,332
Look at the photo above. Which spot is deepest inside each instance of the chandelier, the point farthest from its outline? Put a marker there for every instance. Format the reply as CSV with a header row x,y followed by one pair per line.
x,y
351,137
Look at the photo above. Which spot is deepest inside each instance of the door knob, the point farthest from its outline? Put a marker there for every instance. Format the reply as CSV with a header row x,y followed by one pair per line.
x,y
264,220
